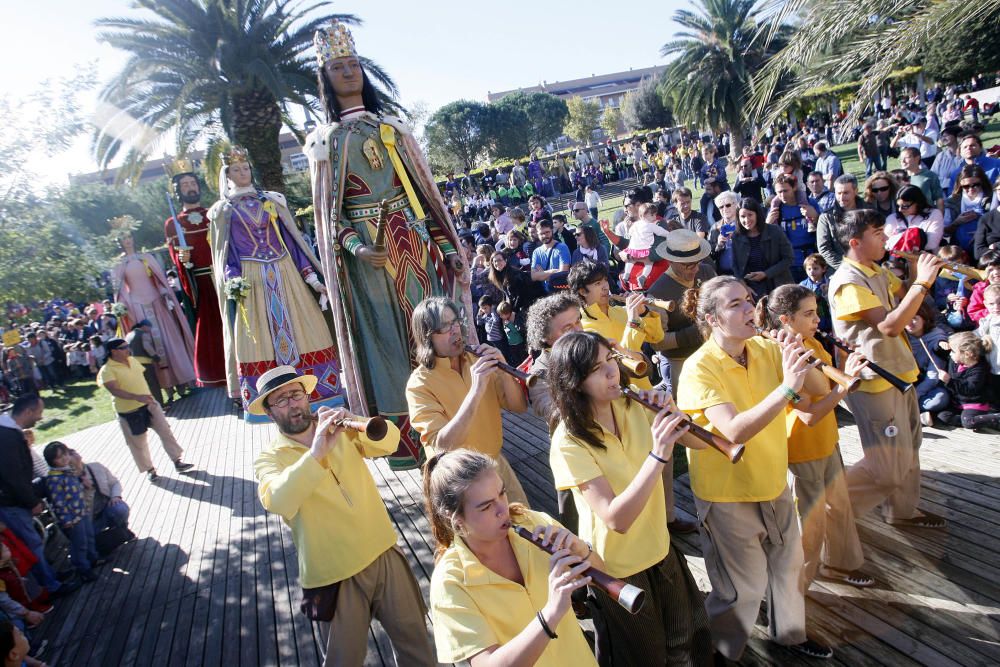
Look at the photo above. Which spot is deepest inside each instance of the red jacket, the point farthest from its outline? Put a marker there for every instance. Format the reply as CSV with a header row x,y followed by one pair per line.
x,y
977,307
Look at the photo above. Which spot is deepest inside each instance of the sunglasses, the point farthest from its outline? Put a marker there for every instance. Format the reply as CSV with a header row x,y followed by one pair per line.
x,y
972,186
883,189
905,204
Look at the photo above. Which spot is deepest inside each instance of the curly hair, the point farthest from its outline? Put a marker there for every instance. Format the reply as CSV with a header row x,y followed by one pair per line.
x,y
869,196
542,312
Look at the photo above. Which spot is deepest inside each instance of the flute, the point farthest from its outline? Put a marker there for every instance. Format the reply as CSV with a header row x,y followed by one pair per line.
x,y
628,596
898,383
954,267
848,382
662,304
732,451
636,367
375,428
528,380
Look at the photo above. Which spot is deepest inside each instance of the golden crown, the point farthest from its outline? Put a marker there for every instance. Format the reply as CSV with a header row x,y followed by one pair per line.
x,y
333,41
236,155
179,166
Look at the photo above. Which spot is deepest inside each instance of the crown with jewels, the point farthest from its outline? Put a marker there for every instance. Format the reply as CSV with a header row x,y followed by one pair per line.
x,y
333,41
179,166
235,155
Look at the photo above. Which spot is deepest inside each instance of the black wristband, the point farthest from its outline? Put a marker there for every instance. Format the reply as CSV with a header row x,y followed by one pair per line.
x,y
663,461
545,626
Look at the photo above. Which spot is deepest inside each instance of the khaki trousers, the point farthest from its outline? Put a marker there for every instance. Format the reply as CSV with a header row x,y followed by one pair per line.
x,y
829,535
385,590
515,492
889,473
752,549
139,445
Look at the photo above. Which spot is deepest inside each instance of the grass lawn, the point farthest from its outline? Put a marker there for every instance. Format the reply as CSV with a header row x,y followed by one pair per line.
x,y
82,404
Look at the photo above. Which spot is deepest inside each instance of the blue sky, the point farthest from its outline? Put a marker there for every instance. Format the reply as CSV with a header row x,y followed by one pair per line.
x,y
436,51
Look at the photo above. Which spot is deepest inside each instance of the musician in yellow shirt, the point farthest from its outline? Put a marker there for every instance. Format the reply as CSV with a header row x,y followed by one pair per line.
x,y
495,598
605,452
829,536
739,384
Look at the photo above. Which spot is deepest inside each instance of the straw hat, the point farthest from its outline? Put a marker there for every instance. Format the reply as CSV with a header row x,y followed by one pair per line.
x,y
684,246
275,379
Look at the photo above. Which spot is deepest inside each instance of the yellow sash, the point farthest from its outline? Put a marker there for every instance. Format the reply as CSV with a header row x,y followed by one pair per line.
x,y
388,135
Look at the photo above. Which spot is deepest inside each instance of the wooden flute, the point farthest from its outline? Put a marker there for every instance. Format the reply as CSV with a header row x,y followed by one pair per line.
x,y
732,451
848,382
628,596
528,380
895,381
375,428
662,304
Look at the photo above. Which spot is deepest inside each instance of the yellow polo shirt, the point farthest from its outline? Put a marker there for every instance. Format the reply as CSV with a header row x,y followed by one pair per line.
x,y
434,396
853,299
811,443
574,462
129,378
338,520
474,608
614,325
711,377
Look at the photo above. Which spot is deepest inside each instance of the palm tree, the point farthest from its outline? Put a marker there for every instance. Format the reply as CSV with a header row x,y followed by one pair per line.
x,y
204,68
707,85
867,39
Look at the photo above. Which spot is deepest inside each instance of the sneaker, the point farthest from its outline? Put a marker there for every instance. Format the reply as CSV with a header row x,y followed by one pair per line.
x,y
927,419
180,466
813,650
151,475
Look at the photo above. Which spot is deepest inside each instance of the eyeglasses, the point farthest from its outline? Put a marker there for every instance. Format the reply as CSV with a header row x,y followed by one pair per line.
x,y
729,205
972,186
294,396
882,189
448,327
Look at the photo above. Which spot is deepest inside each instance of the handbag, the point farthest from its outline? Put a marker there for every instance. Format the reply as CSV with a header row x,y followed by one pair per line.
x,y
319,604
138,420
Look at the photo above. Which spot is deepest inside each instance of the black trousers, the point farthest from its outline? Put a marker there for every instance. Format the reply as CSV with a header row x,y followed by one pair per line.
x,y
670,629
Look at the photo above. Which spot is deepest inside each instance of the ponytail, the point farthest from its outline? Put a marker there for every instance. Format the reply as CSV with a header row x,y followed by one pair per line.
x,y
447,476
783,300
697,303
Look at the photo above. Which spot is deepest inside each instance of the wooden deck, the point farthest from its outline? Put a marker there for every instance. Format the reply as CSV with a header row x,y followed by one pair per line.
x,y
212,579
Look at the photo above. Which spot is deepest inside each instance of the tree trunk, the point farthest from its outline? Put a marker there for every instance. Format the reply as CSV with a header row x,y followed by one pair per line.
x,y
735,145
256,127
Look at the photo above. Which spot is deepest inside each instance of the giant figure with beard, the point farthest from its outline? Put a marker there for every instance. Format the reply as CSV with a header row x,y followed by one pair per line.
x,y
193,261
359,159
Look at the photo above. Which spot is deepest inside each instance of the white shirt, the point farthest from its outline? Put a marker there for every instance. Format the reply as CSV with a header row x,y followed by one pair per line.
x,y
932,224
927,150
592,199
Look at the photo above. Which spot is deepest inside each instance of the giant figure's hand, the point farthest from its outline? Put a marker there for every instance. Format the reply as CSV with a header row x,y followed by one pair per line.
x,y
375,258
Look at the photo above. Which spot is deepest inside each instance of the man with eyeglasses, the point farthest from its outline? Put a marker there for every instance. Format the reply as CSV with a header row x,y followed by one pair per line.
x,y
123,377
315,477
455,396
582,214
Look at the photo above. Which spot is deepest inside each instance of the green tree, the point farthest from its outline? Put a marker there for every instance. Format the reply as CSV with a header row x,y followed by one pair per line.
x,y
457,134
536,119
718,55
643,108
864,39
957,56
198,65
610,120
584,117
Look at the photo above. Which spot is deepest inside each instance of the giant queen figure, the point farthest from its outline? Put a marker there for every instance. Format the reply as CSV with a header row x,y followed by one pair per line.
x,y
268,283
358,160
187,241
